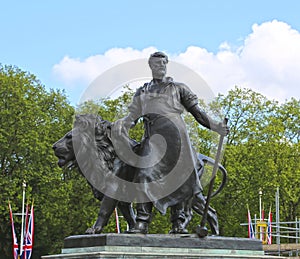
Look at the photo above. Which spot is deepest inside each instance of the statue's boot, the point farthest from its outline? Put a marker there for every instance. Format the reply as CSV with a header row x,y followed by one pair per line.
x,y
178,228
143,218
106,209
128,213
178,219
140,227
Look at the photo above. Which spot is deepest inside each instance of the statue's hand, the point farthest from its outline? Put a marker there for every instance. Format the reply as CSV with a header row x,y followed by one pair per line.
x,y
222,129
120,133
117,127
122,126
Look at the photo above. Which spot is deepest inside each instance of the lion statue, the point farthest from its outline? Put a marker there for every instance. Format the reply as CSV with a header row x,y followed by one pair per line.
x,y
88,148
87,129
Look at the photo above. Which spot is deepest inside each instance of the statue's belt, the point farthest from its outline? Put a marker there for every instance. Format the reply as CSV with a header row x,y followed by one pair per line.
x,y
150,119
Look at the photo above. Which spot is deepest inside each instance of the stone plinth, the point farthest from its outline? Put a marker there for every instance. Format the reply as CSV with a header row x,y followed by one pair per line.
x,y
158,246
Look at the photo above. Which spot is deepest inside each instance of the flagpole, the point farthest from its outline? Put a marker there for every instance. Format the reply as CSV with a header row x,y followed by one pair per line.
x,y
277,219
22,225
249,227
255,223
270,226
117,221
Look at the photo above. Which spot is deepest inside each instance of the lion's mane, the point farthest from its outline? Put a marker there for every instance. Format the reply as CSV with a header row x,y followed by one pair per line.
x,y
93,149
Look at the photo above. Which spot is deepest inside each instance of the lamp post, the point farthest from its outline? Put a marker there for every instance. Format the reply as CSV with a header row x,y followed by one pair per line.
x,y
260,212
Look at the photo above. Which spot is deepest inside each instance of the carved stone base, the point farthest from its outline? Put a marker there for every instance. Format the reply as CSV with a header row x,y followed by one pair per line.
x,y
159,246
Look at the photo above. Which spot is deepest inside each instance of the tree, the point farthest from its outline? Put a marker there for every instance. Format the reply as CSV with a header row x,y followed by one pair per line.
x,y
261,152
31,119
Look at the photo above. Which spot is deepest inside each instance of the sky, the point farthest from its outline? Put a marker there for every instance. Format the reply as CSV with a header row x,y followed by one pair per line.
x,y
69,44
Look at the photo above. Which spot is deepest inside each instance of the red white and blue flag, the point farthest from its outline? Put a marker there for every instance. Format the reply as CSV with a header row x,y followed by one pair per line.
x,y
28,237
251,233
14,236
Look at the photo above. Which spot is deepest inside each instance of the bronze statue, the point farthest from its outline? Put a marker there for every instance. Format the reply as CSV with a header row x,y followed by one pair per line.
x,y
160,104
104,151
67,156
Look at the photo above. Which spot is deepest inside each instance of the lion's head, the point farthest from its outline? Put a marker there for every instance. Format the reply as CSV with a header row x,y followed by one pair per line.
x,y
89,134
63,149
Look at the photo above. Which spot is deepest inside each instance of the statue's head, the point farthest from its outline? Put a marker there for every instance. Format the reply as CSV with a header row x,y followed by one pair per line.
x,y
158,63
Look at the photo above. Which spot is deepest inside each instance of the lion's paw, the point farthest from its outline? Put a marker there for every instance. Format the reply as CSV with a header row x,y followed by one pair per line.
x,y
90,231
93,230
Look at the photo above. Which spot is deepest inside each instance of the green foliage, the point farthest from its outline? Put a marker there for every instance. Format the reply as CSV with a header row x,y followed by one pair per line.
x,y
31,119
262,151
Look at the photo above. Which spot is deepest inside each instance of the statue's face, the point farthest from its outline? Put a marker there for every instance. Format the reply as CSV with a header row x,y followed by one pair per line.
x,y
158,66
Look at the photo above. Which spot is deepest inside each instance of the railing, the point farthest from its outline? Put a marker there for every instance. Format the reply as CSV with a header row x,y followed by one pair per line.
x,y
285,238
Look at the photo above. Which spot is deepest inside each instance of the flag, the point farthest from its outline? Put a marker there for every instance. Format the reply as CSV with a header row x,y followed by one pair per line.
x,y
251,233
28,237
117,221
14,236
23,242
269,228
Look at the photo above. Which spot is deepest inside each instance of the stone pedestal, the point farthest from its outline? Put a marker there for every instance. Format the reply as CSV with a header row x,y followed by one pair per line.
x,y
158,246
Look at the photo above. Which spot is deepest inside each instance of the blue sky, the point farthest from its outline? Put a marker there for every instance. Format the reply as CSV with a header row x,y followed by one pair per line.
x,y
37,35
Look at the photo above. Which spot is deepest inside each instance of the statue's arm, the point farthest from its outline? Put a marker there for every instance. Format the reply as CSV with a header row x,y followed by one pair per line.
x,y
201,117
122,126
190,101
206,121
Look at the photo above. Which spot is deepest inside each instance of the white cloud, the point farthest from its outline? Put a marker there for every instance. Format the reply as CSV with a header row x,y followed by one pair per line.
x,y
271,60
73,70
267,62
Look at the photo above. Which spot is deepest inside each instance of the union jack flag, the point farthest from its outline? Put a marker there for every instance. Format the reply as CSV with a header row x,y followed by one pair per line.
x,y
14,236
28,238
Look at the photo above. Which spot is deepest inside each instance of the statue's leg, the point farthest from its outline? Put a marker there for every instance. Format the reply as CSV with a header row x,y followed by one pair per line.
x,y
128,213
198,205
106,209
98,195
188,213
143,217
178,218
